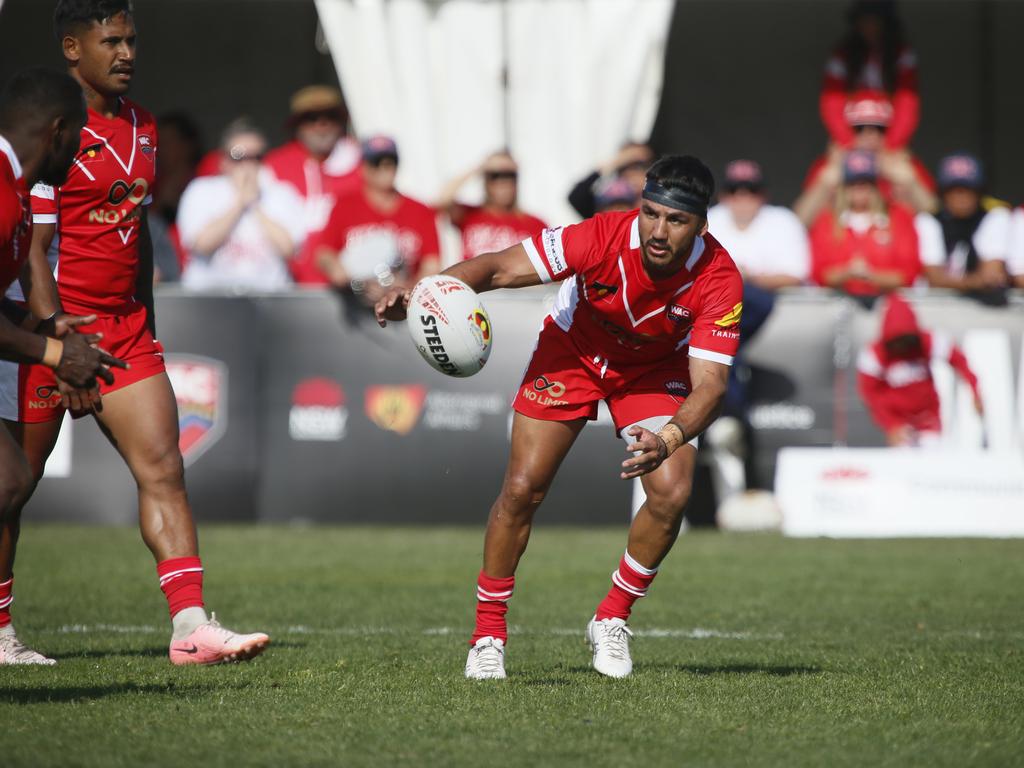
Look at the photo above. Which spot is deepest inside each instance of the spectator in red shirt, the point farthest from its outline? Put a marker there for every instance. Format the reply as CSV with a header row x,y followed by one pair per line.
x,y
874,54
903,177
895,379
321,162
499,222
863,246
376,238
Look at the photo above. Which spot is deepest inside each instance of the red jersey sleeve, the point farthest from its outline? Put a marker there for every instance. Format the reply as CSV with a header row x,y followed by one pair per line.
x,y
558,252
906,103
44,204
832,101
716,327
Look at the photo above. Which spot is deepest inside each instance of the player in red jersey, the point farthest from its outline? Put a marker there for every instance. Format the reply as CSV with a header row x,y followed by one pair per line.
x,y
41,115
105,268
647,319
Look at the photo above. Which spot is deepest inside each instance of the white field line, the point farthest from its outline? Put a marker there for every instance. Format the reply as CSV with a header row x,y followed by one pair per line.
x,y
695,633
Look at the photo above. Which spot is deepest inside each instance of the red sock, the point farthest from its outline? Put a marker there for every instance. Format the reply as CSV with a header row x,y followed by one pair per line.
x,y
181,579
629,583
6,598
492,596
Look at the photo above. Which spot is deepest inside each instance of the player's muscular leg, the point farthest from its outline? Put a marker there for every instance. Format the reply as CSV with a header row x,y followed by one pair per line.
x,y
141,421
656,524
36,441
538,448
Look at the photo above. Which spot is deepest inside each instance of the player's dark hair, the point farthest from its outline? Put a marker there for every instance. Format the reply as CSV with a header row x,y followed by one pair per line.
x,y
686,174
36,96
70,16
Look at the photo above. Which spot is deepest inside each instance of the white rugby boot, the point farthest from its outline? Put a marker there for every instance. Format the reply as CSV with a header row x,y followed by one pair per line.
x,y
486,660
610,640
13,651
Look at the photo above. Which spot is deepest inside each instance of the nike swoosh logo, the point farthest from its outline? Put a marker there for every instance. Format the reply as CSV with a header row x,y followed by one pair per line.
x,y
193,649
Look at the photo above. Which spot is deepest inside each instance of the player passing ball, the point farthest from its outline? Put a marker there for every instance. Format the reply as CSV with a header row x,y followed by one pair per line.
x,y
646,319
95,222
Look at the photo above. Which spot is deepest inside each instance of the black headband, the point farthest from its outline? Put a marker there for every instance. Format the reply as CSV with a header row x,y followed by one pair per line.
x,y
674,198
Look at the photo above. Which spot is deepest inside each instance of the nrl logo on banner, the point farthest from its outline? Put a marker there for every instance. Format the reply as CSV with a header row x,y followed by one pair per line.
x,y
201,389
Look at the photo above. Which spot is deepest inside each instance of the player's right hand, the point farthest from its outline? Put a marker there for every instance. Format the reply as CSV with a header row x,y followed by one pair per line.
x,y
61,324
82,362
392,306
79,400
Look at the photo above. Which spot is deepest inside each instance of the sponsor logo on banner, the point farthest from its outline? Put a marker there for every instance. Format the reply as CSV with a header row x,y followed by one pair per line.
x,y
318,410
201,389
845,473
461,412
396,409
732,317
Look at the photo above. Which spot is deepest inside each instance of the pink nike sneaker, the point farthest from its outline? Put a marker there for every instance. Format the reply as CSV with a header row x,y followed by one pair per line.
x,y
210,643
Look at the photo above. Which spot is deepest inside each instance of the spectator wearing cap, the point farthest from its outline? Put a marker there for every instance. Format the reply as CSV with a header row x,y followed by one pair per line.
x,y
1015,259
615,194
240,226
376,237
902,176
874,54
965,246
629,163
862,245
499,221
321,161
767,242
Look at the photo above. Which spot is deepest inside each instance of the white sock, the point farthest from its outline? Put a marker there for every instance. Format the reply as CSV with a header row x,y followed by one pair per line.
x,y
7,631
186,620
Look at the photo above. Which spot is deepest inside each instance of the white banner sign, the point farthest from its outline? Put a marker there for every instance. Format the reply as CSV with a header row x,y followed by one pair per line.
x,y
869,492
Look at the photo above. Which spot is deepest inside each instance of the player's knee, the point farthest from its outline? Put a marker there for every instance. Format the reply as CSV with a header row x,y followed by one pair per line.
x,y
666,501
162,465
16,484
522,493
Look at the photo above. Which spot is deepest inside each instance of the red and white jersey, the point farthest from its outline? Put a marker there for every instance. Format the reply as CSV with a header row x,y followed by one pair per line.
x,y
616,313
485,231
15,217
98,209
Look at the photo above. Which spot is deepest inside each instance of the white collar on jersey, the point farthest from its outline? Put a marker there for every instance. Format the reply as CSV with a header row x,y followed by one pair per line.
x,y
695,254
7,149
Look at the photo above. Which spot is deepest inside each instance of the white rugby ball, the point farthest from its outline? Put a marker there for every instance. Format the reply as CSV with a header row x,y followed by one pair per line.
x,y
449,326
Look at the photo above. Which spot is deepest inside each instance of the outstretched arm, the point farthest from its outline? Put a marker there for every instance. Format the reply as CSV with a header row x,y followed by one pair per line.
x,y
510,268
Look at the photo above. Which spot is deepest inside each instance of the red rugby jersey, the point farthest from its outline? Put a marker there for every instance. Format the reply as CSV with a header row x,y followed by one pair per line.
x,y
98,210
615,312
15,216
484,231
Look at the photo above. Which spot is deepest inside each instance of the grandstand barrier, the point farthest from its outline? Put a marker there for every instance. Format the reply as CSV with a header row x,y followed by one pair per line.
x,y
297,407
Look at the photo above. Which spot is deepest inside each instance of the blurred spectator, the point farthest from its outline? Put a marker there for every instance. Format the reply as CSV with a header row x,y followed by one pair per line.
x,y
767,242
863,246
377,237
615,194
874,54
903,177
240,227
181,148
630,163
966,246
166,259
895,379
1015,263
499,222
321,162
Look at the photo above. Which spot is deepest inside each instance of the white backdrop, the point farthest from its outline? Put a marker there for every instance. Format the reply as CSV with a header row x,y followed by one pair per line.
x,y
584,76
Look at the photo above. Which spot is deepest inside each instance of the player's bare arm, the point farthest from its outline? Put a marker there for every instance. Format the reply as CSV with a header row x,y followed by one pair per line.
x,y
709,380
510,268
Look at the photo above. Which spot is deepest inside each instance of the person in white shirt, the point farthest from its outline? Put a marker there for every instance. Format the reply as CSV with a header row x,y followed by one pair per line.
x,y
965,246
1015,258
242,227
768,242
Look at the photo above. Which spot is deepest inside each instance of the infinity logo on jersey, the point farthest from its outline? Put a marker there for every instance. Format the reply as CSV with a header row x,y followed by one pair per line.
x,y
396,409
119,192
318,411
46,397
201,389
731,317
545,392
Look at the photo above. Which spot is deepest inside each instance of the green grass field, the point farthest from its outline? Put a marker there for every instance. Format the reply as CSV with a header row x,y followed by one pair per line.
x,y
750,650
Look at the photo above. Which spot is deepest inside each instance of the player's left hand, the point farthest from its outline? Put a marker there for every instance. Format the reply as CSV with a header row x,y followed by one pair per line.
x,y
79,400
649,451
392,305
